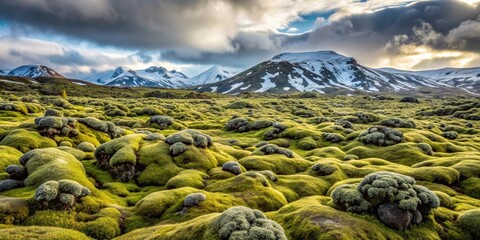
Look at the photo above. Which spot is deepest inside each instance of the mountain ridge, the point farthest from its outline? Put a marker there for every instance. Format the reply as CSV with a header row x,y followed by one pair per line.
x,y
321,71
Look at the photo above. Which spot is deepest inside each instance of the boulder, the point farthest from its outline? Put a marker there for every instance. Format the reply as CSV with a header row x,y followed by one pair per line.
x,y
410,100
417,217
394,217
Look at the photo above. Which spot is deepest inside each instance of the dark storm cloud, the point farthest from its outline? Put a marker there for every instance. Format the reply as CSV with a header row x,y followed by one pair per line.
x,y
369,32
208,31
441,25
71,57
147,24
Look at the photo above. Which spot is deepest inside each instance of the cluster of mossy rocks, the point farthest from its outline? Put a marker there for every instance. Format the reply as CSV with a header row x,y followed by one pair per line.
x,y
62,194
184,148
393,198
53,123
381,136
244,223
164,122
17,175
241,124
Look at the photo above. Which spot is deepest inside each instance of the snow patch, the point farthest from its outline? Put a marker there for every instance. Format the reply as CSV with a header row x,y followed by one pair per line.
x,y
234,86
267,82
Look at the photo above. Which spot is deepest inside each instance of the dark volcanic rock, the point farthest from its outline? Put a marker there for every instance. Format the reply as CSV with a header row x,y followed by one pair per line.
x,y
410,100
394,217
417,217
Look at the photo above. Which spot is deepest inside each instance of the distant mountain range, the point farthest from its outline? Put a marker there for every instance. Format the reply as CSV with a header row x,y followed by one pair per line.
x,y
465,78
150,77
322,71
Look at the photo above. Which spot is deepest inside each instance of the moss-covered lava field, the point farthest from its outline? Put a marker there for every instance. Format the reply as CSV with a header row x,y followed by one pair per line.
x,y
199,166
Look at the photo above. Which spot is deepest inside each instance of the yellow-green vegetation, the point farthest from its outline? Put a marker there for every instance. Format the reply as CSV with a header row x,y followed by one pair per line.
x,y
174,164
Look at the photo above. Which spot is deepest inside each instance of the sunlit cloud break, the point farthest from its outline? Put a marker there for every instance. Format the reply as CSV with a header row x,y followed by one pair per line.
x,y
78,39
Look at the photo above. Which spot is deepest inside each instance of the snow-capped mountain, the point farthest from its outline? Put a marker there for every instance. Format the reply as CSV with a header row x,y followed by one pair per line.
x,y
322,71
212,75
34,71
150,77
465,78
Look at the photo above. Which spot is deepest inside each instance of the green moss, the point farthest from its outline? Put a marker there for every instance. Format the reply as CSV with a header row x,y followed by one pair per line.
x,y
196,158
13,210
277,163
102,228
404,153
155,204
53,164
307,143
470,221
41,233
80,155
198,228
312,218
8,156
252,187
471,187
300,186
188,178
443,175
328,152
25,141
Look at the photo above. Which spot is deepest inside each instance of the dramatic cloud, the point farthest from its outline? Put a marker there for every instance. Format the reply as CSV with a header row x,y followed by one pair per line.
x,y
75,61
204,25
192,34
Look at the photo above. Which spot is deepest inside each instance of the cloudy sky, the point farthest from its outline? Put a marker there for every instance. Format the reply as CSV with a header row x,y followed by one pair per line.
x,y
78,38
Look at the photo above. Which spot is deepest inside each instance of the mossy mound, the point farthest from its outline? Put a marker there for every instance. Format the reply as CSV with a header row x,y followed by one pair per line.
x,y
470,222
240,105
169,203
61,194
156,162
245,223
295,187
277,163
41,233
8,156
101,225
252,187
103,126
51,126
241,124
164,122
398,123
119,156
53,164
393,196
381,136
15,107
313,218
13,210
25,140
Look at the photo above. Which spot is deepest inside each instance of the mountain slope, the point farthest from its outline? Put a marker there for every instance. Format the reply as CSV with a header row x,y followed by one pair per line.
x,y
3,72
323,71
150,77
465,78
211,75
34,71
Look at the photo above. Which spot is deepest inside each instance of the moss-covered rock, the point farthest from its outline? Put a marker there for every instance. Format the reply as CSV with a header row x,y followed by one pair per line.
x,y
25,140
245,223
381,136
41,233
